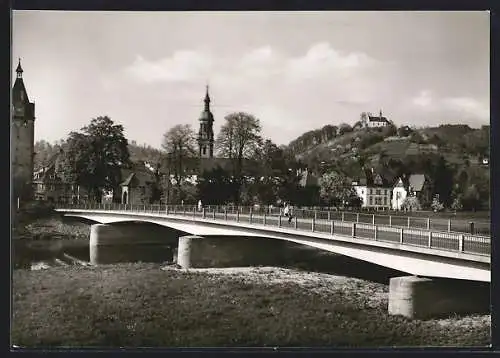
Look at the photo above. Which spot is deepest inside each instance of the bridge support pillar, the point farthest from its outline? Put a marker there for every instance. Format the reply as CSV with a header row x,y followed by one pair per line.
x,y
124,242
424,298
205,252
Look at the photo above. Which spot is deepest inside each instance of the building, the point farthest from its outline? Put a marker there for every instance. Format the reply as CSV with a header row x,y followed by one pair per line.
x,y
415,185
369,121
138,184
50,185
374,189
22,140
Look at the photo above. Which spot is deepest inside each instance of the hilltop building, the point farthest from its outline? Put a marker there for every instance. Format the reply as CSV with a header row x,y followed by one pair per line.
x,y
22,140
369,121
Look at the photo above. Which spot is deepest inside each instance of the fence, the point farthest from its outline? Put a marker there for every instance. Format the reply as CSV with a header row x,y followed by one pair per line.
x,y
452,241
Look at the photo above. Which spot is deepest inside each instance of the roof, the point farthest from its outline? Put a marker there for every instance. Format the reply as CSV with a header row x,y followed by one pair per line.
x,y
377,119
137,175
371,179
416,181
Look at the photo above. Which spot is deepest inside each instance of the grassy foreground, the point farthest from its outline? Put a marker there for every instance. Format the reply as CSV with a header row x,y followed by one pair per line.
x,y
152,305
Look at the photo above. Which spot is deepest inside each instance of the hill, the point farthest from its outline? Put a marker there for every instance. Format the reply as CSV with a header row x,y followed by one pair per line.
x,y
459,144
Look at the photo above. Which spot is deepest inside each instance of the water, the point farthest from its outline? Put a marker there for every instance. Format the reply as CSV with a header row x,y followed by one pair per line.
x,y
42,254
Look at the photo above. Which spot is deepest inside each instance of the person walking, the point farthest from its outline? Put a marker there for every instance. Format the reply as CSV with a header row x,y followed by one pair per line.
x,y
287,213
200,205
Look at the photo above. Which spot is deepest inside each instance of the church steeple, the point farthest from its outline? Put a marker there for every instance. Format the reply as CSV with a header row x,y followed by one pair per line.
x,y
206,132
207,101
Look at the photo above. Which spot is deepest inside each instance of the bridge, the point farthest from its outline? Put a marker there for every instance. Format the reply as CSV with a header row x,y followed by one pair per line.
x,y
425,254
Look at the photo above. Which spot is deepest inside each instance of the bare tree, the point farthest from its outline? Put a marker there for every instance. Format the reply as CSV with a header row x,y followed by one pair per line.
x,y
180,144
239,138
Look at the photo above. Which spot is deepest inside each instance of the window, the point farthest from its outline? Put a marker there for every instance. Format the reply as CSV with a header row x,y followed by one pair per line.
x,y
378,191
385,200
204,150
371,200
362,191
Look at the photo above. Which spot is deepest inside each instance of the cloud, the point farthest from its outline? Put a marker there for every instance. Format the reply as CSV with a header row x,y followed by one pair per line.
x,y
261,63
323,59
182,66
468,106
460,107
424,99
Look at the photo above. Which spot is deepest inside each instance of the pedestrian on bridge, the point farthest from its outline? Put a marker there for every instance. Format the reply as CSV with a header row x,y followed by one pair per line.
x,y
287,212
200,205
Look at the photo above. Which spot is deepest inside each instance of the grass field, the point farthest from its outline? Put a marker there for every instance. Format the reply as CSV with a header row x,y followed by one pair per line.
x,y
144,305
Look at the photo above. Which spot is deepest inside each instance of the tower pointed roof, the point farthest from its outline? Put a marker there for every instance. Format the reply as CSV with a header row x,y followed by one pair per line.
x,y
206,115
19,93
19,69
207,100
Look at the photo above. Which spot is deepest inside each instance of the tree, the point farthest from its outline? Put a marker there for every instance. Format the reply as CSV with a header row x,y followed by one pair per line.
x,y
94,157
179,142
411,203
344,128
215,186
457,203
436,205
335,190
239,138
390,130
272,172
471,199
404,131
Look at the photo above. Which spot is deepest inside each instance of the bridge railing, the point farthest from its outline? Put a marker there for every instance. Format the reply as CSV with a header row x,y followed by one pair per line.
x,y
400,220
442,240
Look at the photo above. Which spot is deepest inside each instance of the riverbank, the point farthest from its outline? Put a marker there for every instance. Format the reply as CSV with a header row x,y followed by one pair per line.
x,y
45,237
156,305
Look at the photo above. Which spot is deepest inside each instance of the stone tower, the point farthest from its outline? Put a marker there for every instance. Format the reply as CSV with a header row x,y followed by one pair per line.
x,y
206,133
22,140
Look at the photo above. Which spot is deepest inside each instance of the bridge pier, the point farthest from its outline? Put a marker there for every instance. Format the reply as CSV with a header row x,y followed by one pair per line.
x,y
425,298
204,252
117,243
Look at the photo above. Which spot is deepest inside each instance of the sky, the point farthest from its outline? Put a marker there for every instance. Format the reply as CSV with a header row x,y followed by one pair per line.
x,y
294,71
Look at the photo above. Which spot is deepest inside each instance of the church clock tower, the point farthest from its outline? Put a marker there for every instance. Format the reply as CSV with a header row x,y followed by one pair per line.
x,y
22,140
206,133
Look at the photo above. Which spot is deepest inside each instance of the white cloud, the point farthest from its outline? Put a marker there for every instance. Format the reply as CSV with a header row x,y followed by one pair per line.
x,y
182,66
322,59
424,99
461,108
468,106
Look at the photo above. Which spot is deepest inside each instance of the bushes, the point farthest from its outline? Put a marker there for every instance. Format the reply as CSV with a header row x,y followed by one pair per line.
x,y
35,210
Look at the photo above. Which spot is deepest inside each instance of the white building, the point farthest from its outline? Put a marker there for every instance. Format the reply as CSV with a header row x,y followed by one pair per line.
x,y
399,194
374,122
374,190
403,189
